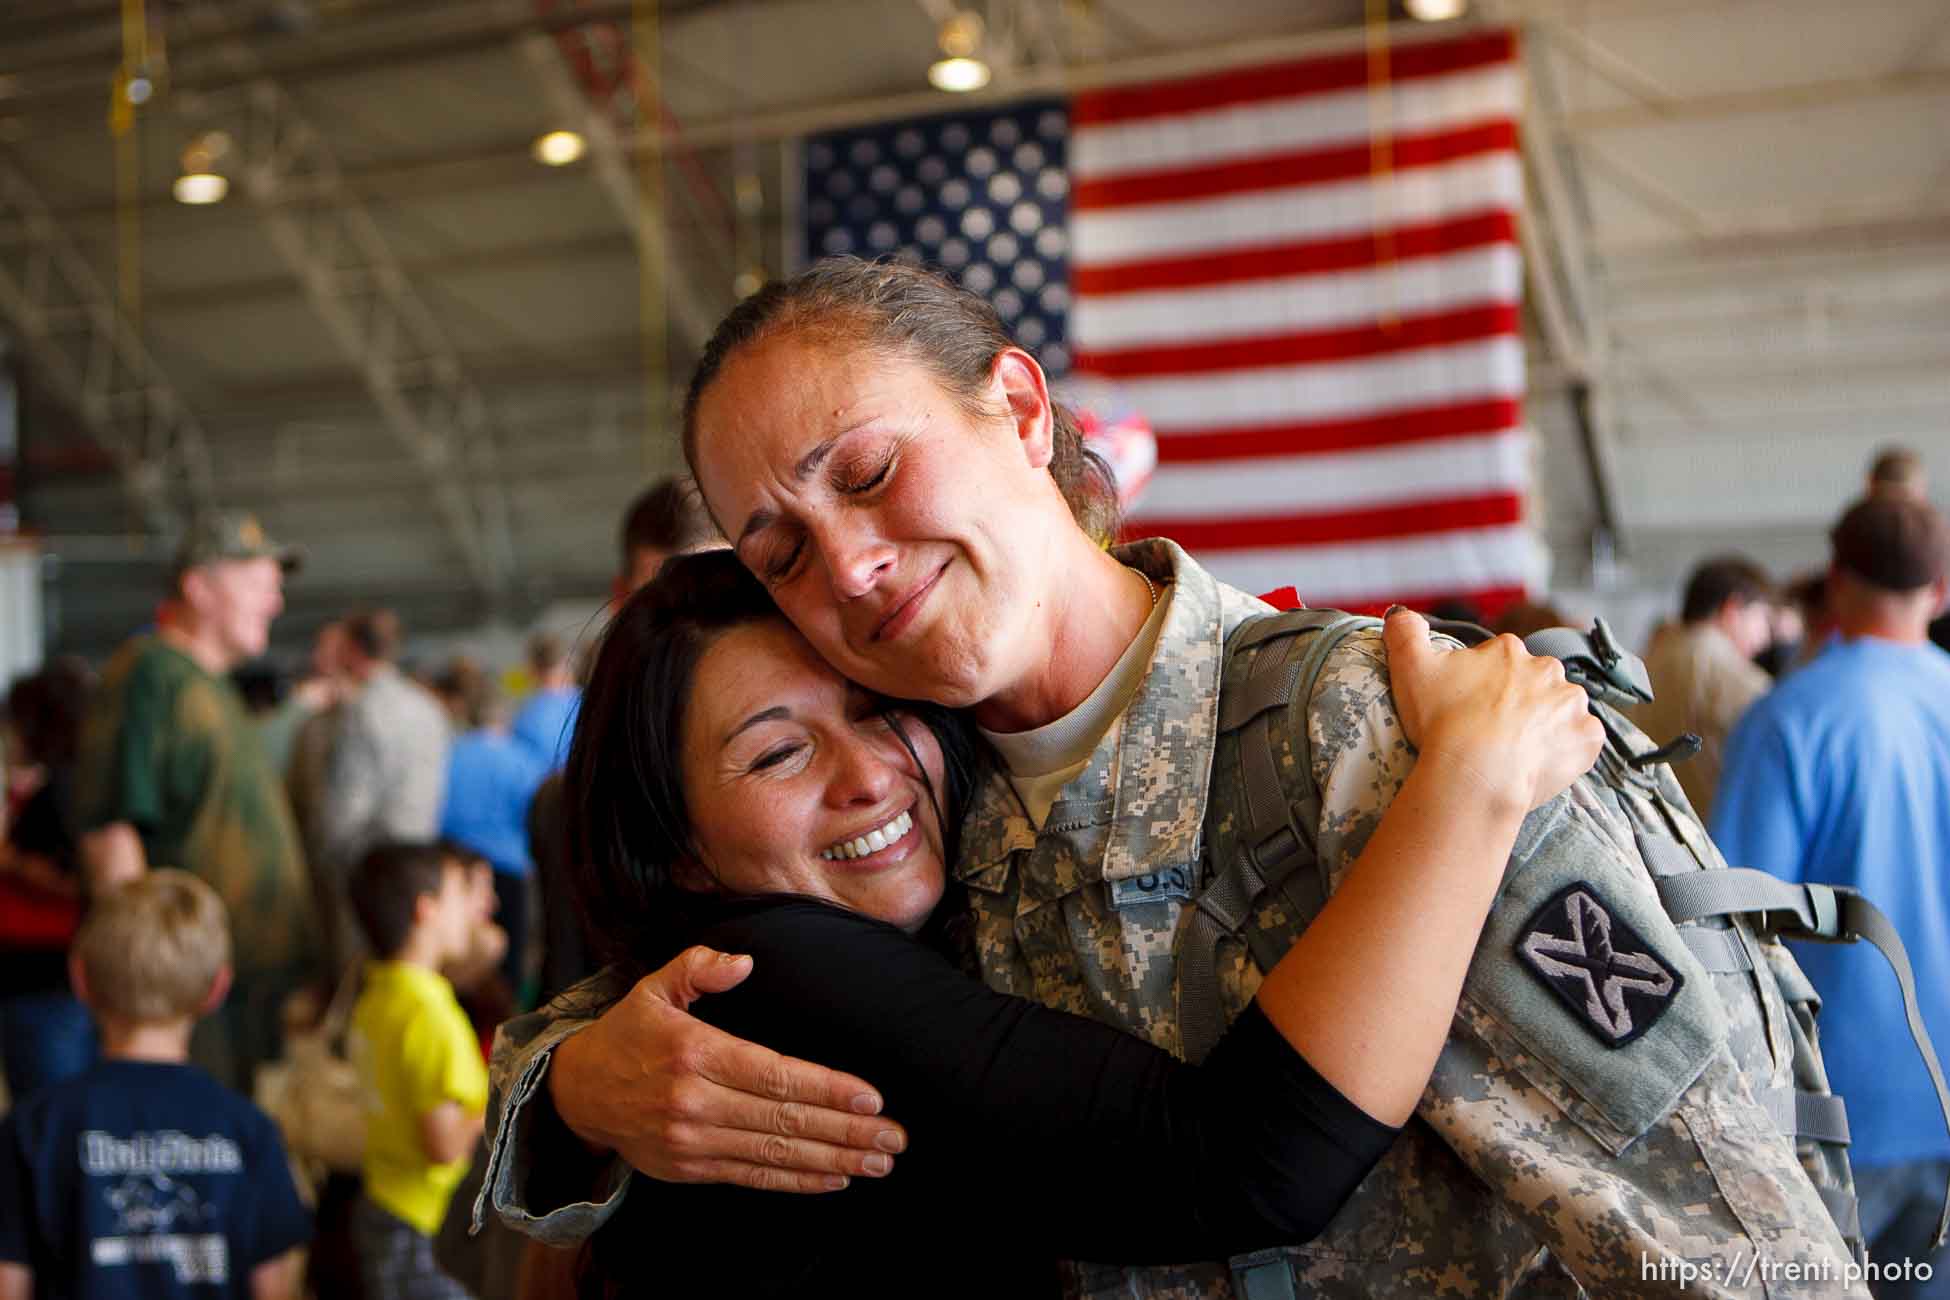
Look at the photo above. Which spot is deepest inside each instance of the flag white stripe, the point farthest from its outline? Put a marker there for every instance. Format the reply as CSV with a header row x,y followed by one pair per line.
x,y
1418,195
1304,302
1306,121
1349,480
1276,395
1319,211
1465,560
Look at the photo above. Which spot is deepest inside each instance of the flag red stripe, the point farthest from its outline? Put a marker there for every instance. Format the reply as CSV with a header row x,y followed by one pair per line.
x,y
1307,347
1290,80
1332,527
1292,169
1301,257
1416,424
1489,601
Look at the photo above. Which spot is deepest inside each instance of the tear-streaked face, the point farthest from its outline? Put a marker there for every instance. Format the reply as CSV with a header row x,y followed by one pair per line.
x,y
905,535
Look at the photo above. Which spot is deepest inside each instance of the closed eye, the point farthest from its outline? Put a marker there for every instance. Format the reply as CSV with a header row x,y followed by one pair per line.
x,y
873,480
773,757
779,567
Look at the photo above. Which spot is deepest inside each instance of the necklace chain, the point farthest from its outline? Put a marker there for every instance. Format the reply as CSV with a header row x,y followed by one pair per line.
x,y
1149,587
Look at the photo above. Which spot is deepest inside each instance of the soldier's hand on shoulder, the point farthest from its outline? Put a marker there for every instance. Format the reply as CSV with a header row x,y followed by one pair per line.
x,y
1503,715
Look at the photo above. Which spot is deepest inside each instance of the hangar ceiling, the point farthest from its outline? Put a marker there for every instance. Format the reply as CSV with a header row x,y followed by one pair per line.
x,y
442,369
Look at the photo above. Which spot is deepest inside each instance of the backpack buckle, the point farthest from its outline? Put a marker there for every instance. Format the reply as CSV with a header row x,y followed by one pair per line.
x,y
1262,1275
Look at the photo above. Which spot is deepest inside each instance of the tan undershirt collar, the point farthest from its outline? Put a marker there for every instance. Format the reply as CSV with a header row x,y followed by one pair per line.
x,y
1042,760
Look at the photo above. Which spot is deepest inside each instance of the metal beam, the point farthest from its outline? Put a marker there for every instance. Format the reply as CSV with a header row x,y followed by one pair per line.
x,y
692,307
1656,196
95,360
1564,259
1863,223
552,253
356,286
1553,230
1774,99
438,175
1043,79
1619,73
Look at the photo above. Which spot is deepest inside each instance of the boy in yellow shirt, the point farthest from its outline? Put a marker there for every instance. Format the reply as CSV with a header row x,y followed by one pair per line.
x,y
425,1081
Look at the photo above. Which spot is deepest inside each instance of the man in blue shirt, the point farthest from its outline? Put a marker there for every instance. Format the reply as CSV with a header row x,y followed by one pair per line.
x,y
1842,775
547,718
491,780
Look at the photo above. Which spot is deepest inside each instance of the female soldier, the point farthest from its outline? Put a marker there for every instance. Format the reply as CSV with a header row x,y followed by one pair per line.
x,y
892,467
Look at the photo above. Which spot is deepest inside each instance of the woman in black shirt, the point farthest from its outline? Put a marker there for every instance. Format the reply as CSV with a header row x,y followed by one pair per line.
x,y
726,787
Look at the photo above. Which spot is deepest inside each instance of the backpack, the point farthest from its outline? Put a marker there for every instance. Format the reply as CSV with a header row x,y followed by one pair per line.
x,y
1266,883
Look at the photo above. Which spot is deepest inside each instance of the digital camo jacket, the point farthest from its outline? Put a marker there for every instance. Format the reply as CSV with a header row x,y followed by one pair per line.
x,y
1545,1157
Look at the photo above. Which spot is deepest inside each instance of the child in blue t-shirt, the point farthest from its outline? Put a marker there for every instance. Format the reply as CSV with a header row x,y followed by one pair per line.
x,y
145,1177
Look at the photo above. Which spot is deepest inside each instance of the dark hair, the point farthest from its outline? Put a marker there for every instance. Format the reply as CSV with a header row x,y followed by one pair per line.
x,y
376,633
546,652
1895,466
1893,542
386,887
623,785
668,517
1716,581
47,708
1809,592
468,691
904,311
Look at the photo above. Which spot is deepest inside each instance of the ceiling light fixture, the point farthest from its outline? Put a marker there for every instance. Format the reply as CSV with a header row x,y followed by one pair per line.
x,y
201,182
559,148
1435,11
960,69
200,188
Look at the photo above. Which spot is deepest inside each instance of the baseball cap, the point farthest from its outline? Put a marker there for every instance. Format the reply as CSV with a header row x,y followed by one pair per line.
x,y
1893,542
230,535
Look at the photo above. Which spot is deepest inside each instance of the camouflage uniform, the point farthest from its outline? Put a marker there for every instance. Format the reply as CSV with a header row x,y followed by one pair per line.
x,y
1538,1160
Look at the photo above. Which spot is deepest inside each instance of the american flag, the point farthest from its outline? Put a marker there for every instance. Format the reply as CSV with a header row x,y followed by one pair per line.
x,y
1305,276
983,196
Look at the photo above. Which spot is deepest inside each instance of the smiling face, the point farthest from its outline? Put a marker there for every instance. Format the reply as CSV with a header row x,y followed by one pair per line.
x,y
796,783
904,536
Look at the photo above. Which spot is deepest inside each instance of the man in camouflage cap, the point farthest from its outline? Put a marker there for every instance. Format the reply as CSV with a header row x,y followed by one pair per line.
x,y
171,773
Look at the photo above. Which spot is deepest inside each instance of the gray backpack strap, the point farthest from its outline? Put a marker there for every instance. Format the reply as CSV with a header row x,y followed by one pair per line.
x,y
1822,913
1275,838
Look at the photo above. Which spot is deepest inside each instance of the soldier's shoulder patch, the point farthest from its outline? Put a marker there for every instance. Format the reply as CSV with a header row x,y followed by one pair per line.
x,y
1613,981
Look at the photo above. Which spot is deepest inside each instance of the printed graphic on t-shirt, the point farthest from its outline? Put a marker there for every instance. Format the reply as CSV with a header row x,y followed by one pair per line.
x,y
156,1213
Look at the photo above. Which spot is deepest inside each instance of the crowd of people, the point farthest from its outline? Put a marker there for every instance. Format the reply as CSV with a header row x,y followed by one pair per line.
x,y
198,861
1839,773
926,784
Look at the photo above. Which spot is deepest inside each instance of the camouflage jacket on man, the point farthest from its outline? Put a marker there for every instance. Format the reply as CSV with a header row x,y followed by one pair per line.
x,y
1537,1156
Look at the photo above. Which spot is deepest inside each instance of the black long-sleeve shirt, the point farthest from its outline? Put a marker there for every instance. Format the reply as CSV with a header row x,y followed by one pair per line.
x,y
1034,1135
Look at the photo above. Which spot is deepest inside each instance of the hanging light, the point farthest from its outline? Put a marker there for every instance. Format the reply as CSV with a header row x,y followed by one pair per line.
x,y
201,182
960,69
1435,11
200,188
559,148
